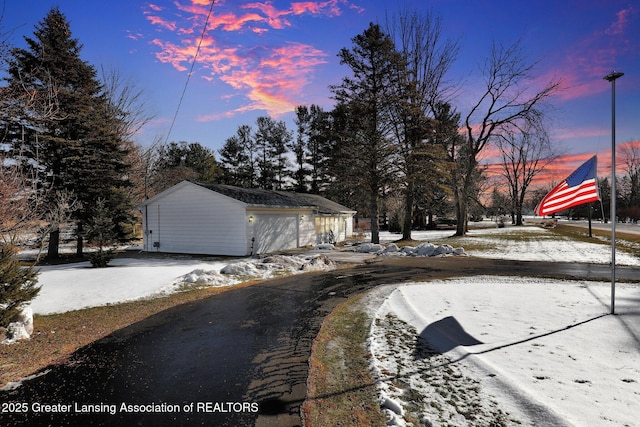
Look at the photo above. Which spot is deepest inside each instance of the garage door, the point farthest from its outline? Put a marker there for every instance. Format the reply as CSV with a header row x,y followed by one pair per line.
x,y
275,233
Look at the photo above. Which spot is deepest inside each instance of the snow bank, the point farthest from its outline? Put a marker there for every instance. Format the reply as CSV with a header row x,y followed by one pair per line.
x,y
75,286
264,268
325,246
21,327
423,249
522,351
202,276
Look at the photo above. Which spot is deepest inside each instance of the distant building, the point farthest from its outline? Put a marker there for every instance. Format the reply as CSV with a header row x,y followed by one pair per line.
x,y
220,219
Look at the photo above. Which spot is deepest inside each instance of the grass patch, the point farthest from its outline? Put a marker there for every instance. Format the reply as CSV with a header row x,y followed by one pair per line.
x,y
471,244
341,389
629,242
515,234
57,336
578,232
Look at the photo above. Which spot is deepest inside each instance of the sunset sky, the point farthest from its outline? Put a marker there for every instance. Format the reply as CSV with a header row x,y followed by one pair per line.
x,y
266,57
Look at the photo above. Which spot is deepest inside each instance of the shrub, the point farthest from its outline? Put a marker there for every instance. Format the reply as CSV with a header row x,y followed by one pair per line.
x,y
18,285
101,258
101,231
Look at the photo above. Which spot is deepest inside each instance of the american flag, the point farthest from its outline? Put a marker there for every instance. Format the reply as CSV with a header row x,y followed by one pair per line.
x,y
579,188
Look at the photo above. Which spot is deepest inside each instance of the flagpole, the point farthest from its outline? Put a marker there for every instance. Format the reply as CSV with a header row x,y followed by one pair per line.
x,y
611,77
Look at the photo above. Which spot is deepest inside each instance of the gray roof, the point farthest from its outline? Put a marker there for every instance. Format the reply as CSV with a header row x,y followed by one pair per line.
x,y
271,198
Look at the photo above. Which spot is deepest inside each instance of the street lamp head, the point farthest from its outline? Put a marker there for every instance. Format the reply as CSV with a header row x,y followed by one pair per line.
x,y
613,75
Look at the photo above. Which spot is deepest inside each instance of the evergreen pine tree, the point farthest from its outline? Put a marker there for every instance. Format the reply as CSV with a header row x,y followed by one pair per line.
x,y
300,150
312,149
238,159
79,147
266,161
18,285
232,159
319,147
367,97
101,231
178,161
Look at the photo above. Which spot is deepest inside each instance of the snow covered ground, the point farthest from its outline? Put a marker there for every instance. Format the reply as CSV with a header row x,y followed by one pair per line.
x,y
527,243
510,350
77,285
473,351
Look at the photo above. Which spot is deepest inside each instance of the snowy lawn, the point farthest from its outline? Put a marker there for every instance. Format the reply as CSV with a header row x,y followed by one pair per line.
x,y
527,243
539,244
508,351
76,286
457,352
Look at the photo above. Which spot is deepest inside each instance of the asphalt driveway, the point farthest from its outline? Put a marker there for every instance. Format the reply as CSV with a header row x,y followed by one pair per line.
x,y
235,359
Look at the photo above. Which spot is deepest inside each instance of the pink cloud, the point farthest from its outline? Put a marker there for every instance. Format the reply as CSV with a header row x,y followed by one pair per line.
x,y
584,65
298,8
274,82
197,7
231,22
272,15
134,36
329,8
619,26
582,132
156,20
269,77
173,54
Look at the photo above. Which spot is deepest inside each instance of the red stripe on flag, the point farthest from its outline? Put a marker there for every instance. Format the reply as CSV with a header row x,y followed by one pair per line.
x,y
564,197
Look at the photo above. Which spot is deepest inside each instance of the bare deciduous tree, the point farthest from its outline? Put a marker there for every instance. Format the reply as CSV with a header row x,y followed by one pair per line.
x,y
129,105
15,208
630,155
126,102
509,97
525,152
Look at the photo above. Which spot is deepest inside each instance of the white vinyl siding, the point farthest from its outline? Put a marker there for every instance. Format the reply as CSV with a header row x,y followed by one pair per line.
x,y
197,221
307,230
192,219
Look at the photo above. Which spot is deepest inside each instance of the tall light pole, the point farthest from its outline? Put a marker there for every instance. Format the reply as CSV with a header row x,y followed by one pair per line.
x,y
611,77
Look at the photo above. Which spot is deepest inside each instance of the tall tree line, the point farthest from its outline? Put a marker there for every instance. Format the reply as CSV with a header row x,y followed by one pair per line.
x,y
61,125
270,156
392,131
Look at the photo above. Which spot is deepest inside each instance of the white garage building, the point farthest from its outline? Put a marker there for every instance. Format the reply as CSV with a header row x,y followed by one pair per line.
x,y
220,219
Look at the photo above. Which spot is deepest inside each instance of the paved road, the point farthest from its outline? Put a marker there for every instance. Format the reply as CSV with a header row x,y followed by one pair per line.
x,y
240,358
596,225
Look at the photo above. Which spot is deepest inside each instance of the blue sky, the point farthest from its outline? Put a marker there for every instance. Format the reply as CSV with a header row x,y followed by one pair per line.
x,y
265,57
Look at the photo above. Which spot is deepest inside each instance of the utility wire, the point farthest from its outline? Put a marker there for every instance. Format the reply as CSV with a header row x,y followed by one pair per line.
x,y
193,64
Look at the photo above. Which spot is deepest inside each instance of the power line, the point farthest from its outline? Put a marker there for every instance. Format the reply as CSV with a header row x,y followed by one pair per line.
x,y
193,64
